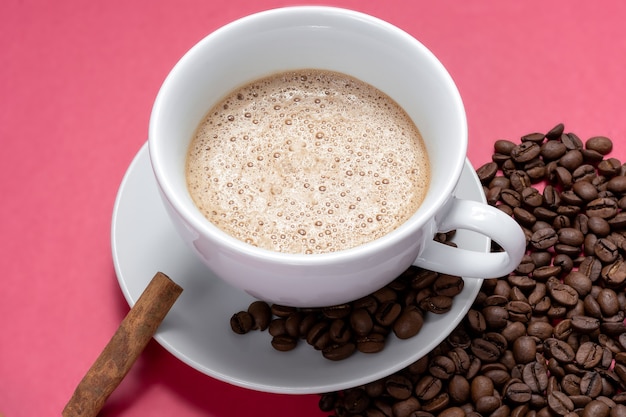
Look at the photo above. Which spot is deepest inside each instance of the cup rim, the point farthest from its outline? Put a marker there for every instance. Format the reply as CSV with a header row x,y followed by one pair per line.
x,y
197,221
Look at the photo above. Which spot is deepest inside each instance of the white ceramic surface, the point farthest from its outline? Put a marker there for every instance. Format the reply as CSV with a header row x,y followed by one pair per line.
x,y
197,329
375,52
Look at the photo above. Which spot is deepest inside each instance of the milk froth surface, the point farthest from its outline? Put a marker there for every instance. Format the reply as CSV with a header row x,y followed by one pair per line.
x,y
307,162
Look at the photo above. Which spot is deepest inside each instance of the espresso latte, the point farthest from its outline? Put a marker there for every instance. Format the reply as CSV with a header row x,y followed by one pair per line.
x,y
307,162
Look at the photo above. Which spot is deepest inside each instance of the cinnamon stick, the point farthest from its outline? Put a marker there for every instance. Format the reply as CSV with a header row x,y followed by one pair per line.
x,y
124,348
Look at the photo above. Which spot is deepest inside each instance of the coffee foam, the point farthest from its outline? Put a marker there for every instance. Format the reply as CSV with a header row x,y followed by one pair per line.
x,y
307,162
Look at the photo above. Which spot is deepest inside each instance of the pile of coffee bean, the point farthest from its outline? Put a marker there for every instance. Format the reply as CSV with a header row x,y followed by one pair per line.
x,y
548,339
363,325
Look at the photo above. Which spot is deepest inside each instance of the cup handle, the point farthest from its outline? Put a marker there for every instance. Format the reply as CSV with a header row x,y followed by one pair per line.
x,y
486,220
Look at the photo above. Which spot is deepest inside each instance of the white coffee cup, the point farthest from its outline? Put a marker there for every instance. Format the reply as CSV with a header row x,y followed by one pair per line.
x,y
375,52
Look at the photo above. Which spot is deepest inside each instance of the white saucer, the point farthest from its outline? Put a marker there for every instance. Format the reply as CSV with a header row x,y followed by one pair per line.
x,y
197,329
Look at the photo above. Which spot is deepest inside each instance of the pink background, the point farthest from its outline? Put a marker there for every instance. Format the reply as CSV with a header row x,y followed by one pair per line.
x,y
77,81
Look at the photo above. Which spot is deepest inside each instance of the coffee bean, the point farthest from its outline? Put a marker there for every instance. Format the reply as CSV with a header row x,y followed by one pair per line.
x,y
589,355
406,408
563,294
408,323
338,352
242,322
602,207
560,350
600,144
591,384
518,393
284,343
614,274
398,386
428,387
282,311
524,349
544,238
504,146
437,304
534,374
487,172
361,322
525,151
370,343
559,403
448,285
442,367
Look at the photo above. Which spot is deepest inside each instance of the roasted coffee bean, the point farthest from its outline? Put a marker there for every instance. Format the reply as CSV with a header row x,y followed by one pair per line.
x,y
602,207
241,322
370,343
524,349
511,198
609,168
608,302
339,331
617,184
504,146
448,285
428,387
563,294
531,197
579,282
535,375
398,386
284,342
406,408
606,250
459,389
361,322
261,314
481,386
485,350
589,355
571,160
539,329
591,384
387,313
614,274
408,323
552,150
570,236
442,367
461,360
514,330
525,152
559,403
318,336
437,304
585,190
282,311
337,352
560,350
596,408
584,324
600,144
487,172
518,393
544,238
